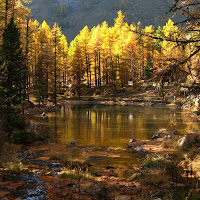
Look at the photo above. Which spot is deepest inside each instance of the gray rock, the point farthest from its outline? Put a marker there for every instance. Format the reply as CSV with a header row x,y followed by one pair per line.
x,y
143,142
159,143
129,145
160,134
140,149
167,137
156,136
132,140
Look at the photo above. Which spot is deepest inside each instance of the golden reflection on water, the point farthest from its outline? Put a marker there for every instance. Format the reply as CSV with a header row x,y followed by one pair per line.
x,y
110,125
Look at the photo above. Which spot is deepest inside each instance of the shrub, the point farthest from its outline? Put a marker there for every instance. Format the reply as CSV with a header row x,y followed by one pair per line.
x,y
72,174
170,143
42,136
23,137
15,166
134,177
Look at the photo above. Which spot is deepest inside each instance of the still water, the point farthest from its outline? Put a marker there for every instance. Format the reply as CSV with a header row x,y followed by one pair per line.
x,y
109,125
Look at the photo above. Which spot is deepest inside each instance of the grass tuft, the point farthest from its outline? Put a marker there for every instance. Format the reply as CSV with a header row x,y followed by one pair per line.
x,y
73,175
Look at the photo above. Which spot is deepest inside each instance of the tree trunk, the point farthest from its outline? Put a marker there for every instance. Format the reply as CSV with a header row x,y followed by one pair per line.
x,y
55,75
99,70
27,43
95,70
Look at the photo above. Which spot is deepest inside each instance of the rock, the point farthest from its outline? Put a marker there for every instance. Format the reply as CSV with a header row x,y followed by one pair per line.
x,y
156,136
129,145
43,114
73,143
123,197
189,139
143,142
160,134
110,167
174,132
167,137
140,149
97,188
159,143
160,104
132,140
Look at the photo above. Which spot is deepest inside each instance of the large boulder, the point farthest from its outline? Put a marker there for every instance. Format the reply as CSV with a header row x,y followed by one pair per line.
x,y
190,139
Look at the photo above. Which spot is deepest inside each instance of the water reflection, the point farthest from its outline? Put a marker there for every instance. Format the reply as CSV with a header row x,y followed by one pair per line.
x,y
109,125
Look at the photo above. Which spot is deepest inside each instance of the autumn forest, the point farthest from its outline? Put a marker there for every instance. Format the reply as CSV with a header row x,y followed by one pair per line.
x,y
103,55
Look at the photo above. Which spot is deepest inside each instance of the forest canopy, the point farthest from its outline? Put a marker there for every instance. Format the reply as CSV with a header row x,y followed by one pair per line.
x,y
106,55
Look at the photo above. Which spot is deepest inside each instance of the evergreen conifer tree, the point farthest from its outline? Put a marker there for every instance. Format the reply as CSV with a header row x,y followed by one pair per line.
x,y
13,76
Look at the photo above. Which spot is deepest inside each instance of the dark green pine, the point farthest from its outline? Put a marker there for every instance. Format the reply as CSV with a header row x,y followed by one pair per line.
x,y
13,76
13,71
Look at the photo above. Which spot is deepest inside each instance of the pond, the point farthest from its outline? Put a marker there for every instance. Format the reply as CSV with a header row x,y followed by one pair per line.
x,y
101,125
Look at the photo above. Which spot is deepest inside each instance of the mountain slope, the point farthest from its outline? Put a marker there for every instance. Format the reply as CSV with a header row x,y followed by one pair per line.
x,y
73,15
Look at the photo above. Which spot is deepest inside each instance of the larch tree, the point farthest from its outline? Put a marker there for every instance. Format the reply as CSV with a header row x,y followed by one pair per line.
x,y
63,52
107,52
131,54
95,43
76,62
57,34
104,52
148,51
84,39
43,66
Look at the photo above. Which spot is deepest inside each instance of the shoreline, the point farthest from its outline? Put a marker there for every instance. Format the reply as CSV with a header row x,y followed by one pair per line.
x,y
121,103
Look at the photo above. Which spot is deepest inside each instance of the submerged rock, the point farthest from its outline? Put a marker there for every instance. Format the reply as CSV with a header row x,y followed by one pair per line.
x,y
43,114
132,140
140,149
71,144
